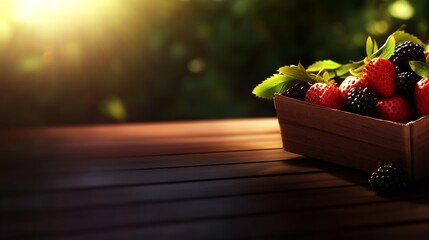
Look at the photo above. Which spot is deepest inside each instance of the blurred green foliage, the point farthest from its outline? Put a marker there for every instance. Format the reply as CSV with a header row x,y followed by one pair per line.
x,y
177,59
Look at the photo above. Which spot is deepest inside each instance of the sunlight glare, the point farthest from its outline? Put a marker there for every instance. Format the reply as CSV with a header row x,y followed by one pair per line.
x,y
36,10
55,15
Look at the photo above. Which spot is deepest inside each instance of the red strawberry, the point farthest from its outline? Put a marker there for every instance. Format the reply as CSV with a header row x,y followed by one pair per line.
x,y
421,97
394,108
426,54
379,76
349,83
325,94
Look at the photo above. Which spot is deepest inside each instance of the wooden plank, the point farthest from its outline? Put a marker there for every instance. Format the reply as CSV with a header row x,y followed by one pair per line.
x,y
168,146
398,230
79,180
164,211
94,149
130,140
234,230
134,134
186,160
49,158
262,211
111,163
148,194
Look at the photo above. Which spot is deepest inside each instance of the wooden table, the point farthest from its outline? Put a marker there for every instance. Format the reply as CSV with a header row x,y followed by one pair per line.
x,y
214,179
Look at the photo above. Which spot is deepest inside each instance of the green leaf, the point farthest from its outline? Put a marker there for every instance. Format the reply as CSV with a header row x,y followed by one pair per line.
x,y
323,65
332,73
325,76
369,46
344,69
421,68
319,78
401,36
270,86
300,67
297,73
385,51
356,70
375,46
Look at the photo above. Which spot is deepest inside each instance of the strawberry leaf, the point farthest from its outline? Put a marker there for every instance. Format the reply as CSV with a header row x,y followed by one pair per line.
x,y
319,78
401,36
323,65
421,68
297,73
332,74
302,68
326,77
344,69
385,51
356,71
270,86
288,75
375,46
369,46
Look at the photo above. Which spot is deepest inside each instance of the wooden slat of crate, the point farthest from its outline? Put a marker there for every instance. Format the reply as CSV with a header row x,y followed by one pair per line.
x,y
349,139
420,150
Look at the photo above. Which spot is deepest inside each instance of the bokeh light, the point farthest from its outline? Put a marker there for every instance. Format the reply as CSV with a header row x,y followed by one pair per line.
x,y
401,9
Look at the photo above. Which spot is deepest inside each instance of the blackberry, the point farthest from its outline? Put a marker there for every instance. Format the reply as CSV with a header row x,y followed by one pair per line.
x,y
405,52
405,83
298,90
361,100
389,178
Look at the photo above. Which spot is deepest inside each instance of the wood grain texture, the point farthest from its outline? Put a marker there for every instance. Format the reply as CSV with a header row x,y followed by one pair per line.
x,y
420,150
345,138
217,179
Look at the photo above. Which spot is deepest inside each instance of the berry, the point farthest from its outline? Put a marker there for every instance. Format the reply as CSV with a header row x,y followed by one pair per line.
x,y
405,83
349,83
379,75
421,97
389,178
297,91
325,94
361,100
405,52
395,108
426,54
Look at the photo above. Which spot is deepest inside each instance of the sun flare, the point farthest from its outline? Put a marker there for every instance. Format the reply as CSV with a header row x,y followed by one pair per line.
x,y
36,10
55,15
63,34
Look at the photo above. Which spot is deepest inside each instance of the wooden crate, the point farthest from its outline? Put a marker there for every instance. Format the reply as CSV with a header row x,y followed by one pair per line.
x,y
353,140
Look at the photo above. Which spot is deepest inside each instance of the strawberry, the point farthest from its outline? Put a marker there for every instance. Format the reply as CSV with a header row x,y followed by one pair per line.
x,y
394,108
325,94
426,54
421,97
379,75
349,83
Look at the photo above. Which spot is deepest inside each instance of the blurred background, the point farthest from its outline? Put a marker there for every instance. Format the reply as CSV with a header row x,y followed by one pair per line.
x,y
107,61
